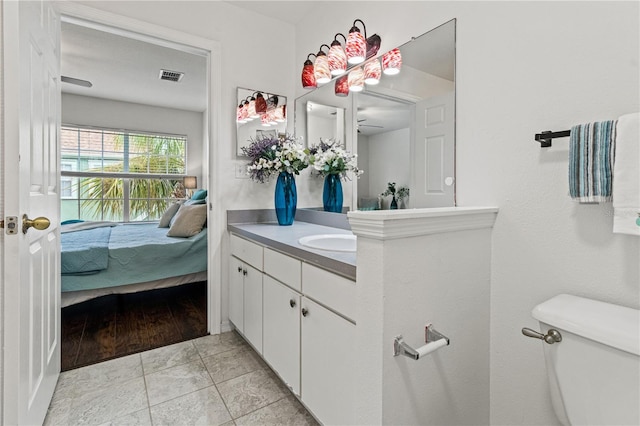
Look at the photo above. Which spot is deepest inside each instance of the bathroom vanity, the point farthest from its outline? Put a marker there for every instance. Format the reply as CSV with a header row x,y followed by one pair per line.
x,y
325,321
296,306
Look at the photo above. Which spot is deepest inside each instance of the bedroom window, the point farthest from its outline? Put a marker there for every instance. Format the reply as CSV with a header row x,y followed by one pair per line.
x,y
119,175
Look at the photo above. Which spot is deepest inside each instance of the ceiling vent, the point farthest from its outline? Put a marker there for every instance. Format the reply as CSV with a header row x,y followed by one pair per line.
x,y
175,76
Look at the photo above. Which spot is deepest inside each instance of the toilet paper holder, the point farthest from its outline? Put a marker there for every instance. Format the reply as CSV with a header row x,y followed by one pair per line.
x,y
433,339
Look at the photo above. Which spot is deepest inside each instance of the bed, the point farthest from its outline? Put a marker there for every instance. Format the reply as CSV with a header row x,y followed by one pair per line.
x,y
105,258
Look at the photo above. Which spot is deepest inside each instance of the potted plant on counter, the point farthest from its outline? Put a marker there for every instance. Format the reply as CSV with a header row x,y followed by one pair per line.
x,y
285,157
331,161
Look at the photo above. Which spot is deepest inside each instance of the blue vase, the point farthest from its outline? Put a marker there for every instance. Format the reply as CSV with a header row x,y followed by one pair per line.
x,y
285,198
332,194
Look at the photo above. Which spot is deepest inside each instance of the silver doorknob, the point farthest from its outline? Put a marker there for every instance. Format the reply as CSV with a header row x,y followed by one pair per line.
x,y
40,223
551,337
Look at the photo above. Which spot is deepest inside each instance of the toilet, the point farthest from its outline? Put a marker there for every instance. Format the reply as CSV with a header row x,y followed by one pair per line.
x,y
594,371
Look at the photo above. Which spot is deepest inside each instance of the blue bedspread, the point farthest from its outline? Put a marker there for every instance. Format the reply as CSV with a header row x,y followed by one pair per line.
x,y
143,252
85,252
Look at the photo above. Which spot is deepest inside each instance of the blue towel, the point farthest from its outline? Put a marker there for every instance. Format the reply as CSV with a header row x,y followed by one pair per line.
x,y
591,156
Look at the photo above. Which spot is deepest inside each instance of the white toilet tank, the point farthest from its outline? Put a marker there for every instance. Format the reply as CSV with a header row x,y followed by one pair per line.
x,y
594,372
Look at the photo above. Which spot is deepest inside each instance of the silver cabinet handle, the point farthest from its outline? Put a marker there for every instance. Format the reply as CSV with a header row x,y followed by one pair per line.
x,y
292,303
305,312
551,337
244,272
239,268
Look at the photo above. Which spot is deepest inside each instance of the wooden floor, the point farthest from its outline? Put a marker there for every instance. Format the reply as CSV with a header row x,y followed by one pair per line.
x,y
118,325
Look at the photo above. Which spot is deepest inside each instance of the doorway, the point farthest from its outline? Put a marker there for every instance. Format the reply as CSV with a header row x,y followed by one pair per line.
x,y
78,20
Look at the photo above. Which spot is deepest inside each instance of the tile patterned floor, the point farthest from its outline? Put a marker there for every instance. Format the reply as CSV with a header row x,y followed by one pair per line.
x,y
212,380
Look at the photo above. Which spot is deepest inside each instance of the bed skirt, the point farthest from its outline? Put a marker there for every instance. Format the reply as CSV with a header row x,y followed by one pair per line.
x,y
72,297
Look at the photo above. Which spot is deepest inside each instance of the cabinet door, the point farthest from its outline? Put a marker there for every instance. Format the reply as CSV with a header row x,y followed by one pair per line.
x,y
328,363
253,307
282,331
236,293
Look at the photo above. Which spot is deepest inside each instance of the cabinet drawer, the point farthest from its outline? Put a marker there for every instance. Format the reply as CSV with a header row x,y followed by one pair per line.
x,y
283,268
331,290
249,252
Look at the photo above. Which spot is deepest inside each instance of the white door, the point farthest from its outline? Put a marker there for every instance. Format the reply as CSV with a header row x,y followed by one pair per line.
x,y
253,307
31,185
236,293
433,152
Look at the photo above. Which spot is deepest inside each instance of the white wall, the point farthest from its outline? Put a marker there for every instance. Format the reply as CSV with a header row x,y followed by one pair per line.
x,y
87,111
525,67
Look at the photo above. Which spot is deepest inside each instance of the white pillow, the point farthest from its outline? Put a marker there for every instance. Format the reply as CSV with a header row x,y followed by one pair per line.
x,y
169,214
188,221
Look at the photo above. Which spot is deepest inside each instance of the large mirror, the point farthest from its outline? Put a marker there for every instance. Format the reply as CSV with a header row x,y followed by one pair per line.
x,y
259,113
403,128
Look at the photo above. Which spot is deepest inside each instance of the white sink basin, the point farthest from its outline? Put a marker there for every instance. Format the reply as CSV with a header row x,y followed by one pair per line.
x,y
331,242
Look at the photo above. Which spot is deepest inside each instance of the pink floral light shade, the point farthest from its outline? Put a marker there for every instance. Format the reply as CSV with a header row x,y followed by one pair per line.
x,y
337,57
342,86
372,72
392,62
308,74
356,47
321,67
356,79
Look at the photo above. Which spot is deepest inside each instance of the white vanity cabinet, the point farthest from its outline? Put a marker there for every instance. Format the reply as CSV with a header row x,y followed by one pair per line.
x,y
306,325
328,362
281,329
245,289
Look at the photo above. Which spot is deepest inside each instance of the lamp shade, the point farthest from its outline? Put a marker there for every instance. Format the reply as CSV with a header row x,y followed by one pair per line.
x,y
190,182
308,74
392,62
356,80
337,58
342,86
252,109
356,47
261,104
372,72
239,118
321,67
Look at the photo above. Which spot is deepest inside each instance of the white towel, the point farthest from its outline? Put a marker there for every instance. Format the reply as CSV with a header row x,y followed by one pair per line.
x,y
626,176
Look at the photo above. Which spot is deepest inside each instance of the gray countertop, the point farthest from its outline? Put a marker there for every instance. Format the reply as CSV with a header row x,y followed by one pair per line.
x,y
285,239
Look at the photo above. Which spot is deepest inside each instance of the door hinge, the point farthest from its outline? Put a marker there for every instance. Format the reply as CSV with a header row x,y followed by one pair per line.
x,y
10,224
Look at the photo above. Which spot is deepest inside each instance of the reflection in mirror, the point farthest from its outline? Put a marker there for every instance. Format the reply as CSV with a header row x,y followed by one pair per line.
x,y
404,127
324,122
259,113
321,114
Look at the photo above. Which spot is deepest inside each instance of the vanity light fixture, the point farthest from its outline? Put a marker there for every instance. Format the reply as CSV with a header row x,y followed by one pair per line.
x,y
356,47
392,62
356,80
239,117
372,72
280,114
321,67
261,104
252,108
342,86
308,74
373,45
337,57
